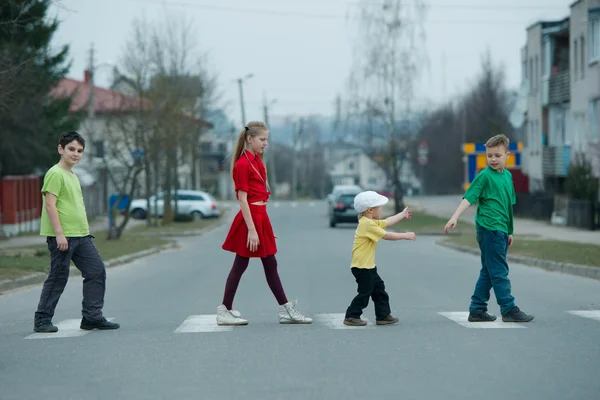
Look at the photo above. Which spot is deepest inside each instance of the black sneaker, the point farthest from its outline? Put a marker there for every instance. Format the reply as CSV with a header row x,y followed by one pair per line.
x,y
102,324
516,315
481,317
45,327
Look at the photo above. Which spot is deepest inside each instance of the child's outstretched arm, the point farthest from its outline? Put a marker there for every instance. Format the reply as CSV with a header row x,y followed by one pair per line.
x,y
394,219
462,207
399,236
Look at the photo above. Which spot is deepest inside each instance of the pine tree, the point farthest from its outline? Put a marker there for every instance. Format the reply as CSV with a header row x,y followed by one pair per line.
x,y
30,120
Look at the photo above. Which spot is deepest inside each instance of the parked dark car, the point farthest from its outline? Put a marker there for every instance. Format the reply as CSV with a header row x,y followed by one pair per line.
x,y
341,209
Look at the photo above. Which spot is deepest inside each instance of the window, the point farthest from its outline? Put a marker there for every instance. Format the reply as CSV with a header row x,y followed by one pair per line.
x,y
206,147
197,197
372,181
594,35
98,146
594,113
222,147
583,63
547,58
575,60
524,63
531,75
536,72
351,165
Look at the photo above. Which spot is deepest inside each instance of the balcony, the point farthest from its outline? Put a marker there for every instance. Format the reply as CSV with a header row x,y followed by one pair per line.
x,y
559,90
556,161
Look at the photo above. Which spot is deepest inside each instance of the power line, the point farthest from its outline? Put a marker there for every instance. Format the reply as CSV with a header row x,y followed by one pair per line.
x,y
299,14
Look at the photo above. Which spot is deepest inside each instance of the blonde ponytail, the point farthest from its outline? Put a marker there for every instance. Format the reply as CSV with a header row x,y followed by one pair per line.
x,y
253,128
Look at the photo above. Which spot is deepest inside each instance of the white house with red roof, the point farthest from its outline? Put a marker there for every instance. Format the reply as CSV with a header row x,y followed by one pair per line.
x,y
97,129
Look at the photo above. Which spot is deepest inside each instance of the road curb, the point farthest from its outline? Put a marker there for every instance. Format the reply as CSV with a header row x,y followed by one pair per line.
x,y
39,277
566,268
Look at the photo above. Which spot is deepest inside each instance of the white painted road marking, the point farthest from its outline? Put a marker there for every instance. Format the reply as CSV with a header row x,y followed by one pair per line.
x,y
591,314
67,328
462,318
202,323
336,321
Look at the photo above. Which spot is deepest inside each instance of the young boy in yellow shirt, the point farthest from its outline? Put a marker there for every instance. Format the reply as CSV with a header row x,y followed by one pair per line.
x,y
371,229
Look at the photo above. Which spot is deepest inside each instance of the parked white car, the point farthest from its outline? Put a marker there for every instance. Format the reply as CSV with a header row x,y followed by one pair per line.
x,y
196,203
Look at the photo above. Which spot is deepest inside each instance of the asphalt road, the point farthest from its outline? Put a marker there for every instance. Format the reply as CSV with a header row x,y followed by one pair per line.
x,y
428,355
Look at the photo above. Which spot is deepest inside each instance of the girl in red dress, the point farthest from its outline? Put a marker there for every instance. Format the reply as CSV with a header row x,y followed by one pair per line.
x,y
251,234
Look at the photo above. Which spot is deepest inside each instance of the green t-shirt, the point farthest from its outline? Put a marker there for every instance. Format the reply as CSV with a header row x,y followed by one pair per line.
x,y
71,209
495,193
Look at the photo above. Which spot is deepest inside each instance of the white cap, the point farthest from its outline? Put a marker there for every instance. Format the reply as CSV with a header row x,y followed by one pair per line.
x,y
369,199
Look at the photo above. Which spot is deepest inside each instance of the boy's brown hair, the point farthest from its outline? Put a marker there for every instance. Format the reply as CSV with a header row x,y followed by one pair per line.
x,y
497,141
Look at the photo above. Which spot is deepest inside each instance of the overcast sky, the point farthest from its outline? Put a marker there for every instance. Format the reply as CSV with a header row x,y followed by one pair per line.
x,y
300,51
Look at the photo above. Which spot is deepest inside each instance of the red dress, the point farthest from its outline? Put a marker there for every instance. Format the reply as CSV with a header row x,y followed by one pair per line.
x,y
250,176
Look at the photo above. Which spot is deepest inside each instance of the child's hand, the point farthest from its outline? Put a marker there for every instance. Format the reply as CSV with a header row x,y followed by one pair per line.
x,y
510,240
410,236
405,214
450,225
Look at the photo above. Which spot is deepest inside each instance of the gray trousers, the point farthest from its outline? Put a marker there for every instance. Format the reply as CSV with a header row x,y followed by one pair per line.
x,y
86,258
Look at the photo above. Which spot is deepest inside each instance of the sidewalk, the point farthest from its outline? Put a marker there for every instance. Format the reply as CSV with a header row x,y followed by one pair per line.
x,y
444,206
100,224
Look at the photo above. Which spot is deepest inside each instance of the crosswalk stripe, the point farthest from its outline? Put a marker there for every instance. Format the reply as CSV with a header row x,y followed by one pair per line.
x,y
202,324
461,318
336,321
591,314
67,328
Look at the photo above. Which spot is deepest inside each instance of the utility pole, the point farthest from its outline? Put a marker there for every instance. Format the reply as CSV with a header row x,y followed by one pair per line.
x,y
464,141
272,174
91,108
240,82
296,133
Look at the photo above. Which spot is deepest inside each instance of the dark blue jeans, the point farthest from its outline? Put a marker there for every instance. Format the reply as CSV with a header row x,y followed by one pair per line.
x,y
494,272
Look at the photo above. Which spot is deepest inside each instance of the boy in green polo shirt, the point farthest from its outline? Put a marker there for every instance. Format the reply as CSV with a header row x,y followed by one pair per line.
x,y
65,225
493,189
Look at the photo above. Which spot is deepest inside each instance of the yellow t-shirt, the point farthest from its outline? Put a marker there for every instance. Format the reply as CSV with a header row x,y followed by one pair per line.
x,y
367,234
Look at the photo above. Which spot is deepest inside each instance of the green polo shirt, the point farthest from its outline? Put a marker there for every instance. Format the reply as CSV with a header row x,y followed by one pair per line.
x,y
71,209
495,194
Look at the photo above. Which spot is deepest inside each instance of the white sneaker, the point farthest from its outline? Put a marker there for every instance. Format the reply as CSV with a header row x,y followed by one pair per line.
x,y
288,314
227,318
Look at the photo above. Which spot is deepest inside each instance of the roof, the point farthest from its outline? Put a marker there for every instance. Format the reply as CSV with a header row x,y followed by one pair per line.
x,y
546,24
575,3
105,100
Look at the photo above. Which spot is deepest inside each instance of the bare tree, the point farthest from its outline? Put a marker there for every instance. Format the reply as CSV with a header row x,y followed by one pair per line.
x,y
175,89
389,57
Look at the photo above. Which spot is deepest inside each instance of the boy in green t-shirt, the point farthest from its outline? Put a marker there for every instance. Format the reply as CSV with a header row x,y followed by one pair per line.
x,y
493,189
64,223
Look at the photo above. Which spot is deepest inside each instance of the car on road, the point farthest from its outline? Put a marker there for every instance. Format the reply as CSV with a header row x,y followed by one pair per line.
x,y
194,203
337,189
341,209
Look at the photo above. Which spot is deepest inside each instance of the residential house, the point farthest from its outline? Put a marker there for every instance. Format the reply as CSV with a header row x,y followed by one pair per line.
x,y
103,122
585,79
545,67
357,168
561,68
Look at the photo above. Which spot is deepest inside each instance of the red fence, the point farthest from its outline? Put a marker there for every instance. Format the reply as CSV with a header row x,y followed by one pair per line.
x,y
20,204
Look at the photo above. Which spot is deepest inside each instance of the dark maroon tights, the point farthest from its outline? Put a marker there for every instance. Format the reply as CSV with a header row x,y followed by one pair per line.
x,y
239,267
